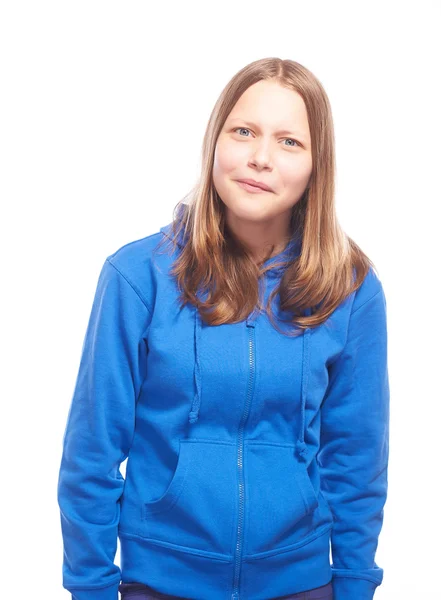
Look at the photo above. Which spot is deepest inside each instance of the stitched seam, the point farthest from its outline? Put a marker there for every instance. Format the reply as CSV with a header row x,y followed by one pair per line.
x,y
337,576
365,302
77,587
349,325
131,285
126,454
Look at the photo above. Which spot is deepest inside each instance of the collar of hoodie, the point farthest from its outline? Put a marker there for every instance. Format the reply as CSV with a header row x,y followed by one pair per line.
x,y
292,249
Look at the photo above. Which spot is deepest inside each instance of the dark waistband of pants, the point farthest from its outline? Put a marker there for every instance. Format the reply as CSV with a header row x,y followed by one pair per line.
x,y
140,591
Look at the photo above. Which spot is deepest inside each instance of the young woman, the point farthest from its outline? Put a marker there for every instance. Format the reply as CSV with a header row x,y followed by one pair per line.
x,y
242,370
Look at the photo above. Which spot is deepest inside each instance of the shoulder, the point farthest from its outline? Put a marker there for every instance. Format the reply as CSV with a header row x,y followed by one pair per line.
x,y
138,263
136,253
370,288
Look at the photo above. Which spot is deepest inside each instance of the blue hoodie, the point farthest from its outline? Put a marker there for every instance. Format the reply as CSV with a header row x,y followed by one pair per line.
x,y
250,454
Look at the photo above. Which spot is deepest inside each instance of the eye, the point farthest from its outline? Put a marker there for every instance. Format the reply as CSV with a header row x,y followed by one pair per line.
x,y
291,139
243,129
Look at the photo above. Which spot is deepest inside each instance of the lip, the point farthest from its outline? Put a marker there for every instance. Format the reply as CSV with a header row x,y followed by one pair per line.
x,y
251,183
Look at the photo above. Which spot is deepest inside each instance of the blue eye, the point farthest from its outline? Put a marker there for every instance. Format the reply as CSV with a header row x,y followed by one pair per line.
x,y
292,140
243,128
246,129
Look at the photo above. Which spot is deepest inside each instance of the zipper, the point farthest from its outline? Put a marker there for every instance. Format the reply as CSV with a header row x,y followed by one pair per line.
x,y
239,539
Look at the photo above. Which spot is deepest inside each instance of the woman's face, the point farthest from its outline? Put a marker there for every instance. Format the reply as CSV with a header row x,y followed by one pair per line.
x,y
266,138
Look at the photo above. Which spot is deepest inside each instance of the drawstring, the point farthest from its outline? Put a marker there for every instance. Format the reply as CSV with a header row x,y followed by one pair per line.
x,y
301,447
193,415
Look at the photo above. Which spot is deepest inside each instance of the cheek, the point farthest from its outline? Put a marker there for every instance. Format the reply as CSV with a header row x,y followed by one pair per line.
x,y
295,173
221,169
228,157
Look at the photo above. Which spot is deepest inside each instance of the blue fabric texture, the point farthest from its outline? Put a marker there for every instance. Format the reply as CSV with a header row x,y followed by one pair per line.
x,y
251,454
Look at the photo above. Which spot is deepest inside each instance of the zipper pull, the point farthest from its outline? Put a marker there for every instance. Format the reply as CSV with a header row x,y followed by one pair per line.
x,y
251,318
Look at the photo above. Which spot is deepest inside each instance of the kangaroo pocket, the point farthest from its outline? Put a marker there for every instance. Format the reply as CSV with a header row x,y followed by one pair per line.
x,y
197,509
280,498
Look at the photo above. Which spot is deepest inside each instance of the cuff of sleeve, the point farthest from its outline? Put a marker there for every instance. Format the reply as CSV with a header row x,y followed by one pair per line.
x,y
107,593
349,588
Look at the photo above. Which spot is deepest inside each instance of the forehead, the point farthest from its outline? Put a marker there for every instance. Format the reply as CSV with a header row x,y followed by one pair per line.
x,y
266,106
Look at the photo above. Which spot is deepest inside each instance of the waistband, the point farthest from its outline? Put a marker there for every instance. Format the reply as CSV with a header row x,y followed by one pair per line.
x,y
140,591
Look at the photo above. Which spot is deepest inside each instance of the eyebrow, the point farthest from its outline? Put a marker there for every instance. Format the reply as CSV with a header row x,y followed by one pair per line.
x,y
280,132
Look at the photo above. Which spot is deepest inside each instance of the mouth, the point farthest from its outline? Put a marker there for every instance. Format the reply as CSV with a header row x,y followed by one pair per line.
x,y
254,189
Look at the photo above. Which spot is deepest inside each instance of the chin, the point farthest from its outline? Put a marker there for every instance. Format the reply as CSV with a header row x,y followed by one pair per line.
x,y
249,213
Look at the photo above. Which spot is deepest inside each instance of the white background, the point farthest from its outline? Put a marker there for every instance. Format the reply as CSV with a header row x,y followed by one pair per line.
x,y
103,109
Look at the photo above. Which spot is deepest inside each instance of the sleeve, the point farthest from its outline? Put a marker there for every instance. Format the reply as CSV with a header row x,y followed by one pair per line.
x,y
98,435
354,450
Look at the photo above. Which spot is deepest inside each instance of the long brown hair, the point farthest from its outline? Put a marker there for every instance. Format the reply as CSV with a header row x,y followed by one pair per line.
x,y
330,265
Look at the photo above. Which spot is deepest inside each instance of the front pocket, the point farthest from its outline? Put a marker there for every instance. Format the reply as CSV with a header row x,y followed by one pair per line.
x,y
280,496
197,509
176,485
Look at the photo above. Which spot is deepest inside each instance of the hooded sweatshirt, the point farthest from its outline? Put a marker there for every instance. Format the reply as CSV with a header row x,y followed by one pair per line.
x,y
251,454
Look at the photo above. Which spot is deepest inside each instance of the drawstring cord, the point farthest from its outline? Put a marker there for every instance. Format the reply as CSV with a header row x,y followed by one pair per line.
x,y
194,412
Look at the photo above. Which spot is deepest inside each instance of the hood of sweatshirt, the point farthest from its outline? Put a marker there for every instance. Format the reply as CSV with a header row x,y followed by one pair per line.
x,y
272,276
